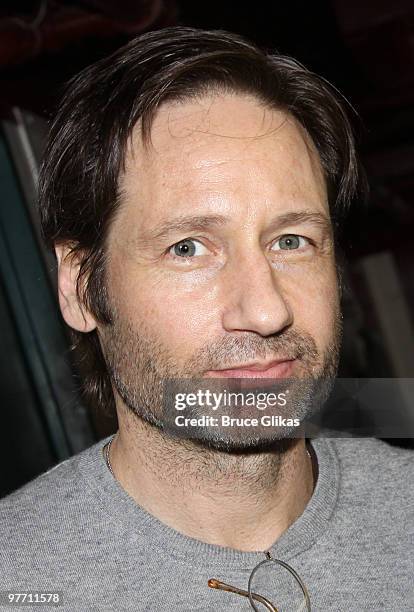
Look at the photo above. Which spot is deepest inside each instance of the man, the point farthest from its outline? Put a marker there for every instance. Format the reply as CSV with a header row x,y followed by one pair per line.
x,y
191,188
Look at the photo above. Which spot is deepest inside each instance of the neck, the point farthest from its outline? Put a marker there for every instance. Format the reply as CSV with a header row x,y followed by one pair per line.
x,y
204,493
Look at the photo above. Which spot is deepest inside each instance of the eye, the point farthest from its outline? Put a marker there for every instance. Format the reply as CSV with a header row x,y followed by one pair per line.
x,y
290,242
188,248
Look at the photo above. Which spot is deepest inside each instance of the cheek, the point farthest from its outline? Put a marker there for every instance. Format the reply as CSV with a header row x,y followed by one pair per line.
x,y
314,300
182,315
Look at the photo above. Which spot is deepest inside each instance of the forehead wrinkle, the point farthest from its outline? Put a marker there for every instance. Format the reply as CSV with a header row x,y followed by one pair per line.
x,y
149,157
151,173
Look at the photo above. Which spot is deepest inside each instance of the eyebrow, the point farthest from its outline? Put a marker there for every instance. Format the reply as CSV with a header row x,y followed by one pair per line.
x,y
302,216
189,223
186,223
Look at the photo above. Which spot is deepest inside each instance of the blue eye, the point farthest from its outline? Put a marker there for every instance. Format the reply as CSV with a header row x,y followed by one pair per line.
x,y
188,248
289,242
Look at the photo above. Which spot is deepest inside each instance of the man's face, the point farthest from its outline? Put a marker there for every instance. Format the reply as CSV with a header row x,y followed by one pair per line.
x,y
220,258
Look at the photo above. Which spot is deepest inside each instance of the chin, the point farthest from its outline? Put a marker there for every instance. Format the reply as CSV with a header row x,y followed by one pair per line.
x,y
247,446
240,441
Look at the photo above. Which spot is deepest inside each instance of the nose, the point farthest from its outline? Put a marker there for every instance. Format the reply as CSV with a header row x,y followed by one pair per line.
x,y
255,299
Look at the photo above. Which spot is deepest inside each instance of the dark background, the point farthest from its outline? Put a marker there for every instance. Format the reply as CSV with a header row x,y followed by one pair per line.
x,y
366,49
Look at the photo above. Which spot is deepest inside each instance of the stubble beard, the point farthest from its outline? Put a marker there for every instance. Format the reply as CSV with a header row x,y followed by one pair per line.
x,y
139,364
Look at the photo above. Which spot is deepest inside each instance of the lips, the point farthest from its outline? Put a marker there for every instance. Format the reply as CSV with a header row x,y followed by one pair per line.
x,y
273,369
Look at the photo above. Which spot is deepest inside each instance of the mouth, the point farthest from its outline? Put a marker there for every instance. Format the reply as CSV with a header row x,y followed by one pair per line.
x,y
280,368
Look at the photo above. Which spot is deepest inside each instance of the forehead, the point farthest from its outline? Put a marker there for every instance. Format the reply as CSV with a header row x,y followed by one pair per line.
x,y
227,151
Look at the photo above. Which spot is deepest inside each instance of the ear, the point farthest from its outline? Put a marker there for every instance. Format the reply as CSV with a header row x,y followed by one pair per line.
x,y
73,311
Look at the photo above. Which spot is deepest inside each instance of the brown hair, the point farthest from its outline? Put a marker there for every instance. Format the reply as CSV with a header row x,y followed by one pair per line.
x,y
85,153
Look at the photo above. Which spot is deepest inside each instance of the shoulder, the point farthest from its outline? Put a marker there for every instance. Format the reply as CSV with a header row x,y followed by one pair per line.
x,y
50,499
53,521
377,477
369,456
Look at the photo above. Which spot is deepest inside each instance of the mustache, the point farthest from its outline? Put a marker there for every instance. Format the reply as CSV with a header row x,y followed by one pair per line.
x,y
226,351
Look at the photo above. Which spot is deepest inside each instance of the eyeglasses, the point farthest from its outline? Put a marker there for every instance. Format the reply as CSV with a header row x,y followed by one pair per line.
x,y
256,597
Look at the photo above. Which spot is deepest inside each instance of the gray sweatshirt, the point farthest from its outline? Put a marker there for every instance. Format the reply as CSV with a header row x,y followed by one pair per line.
x,y
74,530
